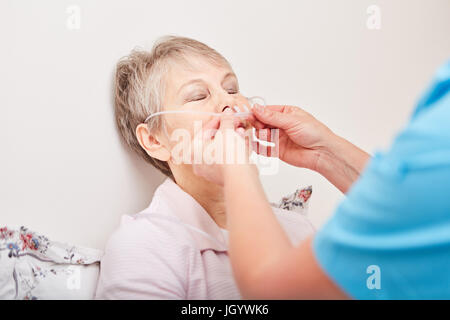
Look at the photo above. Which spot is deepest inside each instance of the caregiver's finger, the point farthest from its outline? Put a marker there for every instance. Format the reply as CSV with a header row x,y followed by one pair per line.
x,y
214,123
270,115
262,134
282,108
227,120
210,128
255,122
262,150
266,136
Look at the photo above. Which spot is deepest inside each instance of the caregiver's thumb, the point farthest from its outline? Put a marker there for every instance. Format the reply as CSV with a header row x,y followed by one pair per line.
x,y
227,120
281,117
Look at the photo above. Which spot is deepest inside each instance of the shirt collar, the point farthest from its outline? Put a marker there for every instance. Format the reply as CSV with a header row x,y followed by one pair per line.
x,y
171,199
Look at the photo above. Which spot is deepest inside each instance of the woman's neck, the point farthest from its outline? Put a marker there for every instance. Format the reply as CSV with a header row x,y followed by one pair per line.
x,y
207,194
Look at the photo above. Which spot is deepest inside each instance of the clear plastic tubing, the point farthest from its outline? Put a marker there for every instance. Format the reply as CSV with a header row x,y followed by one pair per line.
x,y
238,113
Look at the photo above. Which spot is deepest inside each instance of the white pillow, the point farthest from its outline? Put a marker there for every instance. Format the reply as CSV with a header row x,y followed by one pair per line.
x,y
33,267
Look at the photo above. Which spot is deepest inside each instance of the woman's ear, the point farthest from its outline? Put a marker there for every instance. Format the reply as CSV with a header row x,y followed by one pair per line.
x,y
151,143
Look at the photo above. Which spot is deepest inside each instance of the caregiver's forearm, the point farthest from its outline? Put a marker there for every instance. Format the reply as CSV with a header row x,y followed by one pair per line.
x,y
341,162
256,237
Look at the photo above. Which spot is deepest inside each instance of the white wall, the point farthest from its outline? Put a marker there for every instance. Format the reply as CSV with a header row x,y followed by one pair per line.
x,y
63,169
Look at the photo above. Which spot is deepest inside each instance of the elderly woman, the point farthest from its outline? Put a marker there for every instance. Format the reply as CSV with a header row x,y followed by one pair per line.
x,y
177,248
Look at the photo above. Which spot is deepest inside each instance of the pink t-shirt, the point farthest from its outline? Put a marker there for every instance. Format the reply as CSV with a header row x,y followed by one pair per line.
x,y
174,250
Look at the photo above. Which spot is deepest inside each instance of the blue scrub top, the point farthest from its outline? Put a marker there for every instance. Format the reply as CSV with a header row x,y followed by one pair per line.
x,y
390,238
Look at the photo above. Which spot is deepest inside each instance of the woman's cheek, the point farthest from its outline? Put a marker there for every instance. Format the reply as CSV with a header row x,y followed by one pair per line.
x,y
187,127
178,123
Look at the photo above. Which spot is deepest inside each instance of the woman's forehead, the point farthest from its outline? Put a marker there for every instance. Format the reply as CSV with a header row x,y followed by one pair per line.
x,y
191,68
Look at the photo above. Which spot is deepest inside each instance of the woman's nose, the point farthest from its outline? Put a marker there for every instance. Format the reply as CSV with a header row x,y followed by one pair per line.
x,y
224,102
227,103
224,108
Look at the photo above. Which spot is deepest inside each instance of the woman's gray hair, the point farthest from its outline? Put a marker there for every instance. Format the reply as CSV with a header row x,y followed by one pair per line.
x,y
139,87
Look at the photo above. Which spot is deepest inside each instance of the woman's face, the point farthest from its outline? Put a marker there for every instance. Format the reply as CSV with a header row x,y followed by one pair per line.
x,y
200,86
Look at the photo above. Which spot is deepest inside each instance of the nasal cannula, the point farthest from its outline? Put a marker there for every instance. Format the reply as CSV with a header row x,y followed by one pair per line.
x,y
238,112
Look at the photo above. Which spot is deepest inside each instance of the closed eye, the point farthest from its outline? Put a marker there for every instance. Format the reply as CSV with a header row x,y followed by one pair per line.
x,y
232,91
197,98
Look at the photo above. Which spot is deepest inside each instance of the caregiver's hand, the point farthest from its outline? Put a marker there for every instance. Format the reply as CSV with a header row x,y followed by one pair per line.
x,y
306,142
226,147
301,139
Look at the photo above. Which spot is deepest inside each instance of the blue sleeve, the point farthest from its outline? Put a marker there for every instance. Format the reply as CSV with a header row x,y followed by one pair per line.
x,y
390,238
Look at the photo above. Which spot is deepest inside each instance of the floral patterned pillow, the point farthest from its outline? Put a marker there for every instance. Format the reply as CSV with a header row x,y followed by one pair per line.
x,y
33,267
297,201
